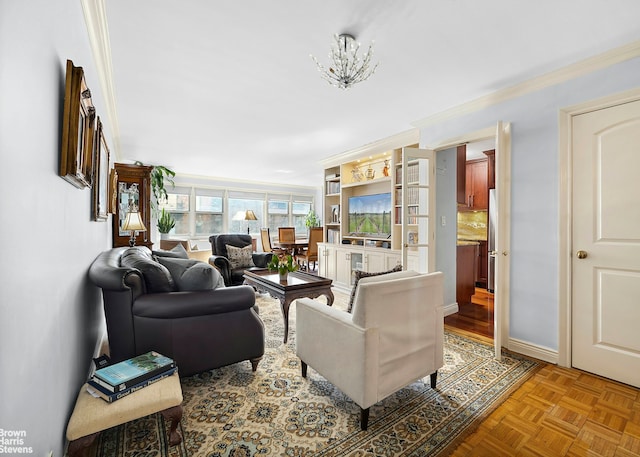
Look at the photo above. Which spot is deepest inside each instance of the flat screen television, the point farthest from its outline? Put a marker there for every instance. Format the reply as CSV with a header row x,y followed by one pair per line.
x,y
370,215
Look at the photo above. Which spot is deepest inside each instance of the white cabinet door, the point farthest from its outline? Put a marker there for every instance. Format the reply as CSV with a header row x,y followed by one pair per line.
x,y
392,260
374,261
327,261
343,267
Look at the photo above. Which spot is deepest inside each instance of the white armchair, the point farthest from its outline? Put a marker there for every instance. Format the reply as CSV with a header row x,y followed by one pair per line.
x,y
393,338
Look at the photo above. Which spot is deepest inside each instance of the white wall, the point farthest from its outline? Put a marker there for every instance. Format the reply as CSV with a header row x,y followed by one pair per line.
x,y
51,316
447,207
534,193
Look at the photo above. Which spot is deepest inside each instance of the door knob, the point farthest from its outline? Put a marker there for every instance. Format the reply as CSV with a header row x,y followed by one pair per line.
x,y
581,254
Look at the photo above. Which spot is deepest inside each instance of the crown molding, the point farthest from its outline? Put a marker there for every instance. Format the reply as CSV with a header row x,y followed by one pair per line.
x,y
561,75
95,17
396,141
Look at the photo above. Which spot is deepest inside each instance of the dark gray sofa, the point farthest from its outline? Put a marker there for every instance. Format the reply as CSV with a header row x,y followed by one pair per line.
x,y
199,329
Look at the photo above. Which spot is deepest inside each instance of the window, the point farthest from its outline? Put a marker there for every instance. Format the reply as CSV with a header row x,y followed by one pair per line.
x,y
209,217
277,215
299,212
238,206
177,205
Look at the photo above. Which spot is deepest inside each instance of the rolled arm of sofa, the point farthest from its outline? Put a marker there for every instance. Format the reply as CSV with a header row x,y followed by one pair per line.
x,y
175,305
223,265
106,273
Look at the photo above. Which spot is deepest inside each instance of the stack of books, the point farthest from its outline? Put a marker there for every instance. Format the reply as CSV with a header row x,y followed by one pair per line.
x,y
120,379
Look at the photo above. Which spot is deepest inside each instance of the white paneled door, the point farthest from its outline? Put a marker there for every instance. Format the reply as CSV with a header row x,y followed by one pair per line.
x,y
606,242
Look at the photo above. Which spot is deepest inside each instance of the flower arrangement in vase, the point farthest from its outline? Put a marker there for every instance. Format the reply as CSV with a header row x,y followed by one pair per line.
x,y
283,264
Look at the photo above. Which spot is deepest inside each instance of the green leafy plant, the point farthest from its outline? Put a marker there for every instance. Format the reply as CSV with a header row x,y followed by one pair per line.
x,y
282,264
165,222
312,220
159,175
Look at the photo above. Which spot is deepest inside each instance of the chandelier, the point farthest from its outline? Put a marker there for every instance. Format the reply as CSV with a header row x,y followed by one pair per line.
x,y
346,68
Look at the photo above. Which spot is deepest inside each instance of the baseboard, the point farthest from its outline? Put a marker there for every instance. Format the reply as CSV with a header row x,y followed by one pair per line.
x,y
450,309
532,350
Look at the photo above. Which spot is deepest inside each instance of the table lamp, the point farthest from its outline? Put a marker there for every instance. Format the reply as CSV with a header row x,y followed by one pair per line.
x,y
247,215
133,223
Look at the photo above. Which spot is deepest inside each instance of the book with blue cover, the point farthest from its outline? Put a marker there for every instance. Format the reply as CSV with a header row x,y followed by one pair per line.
x,y
96,389
125,374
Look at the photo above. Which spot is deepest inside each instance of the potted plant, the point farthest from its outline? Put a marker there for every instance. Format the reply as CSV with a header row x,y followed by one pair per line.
x,y
165,223
312,220
283,264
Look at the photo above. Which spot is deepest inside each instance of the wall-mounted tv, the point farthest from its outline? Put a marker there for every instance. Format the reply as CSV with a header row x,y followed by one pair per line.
x,y
370,215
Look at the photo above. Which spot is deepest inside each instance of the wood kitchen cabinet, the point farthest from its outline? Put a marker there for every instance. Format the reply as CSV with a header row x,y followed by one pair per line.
x,y
461,166
491,168
466,265
476,177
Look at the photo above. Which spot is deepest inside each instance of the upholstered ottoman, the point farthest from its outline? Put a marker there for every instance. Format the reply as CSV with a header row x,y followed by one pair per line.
x,y
92,415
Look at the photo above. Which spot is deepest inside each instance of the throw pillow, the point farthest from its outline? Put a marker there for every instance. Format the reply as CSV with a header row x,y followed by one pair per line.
x,y
240,257
363,274
191,274
156,276
177,252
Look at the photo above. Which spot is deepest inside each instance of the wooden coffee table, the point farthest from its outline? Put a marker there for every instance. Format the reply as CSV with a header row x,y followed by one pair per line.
x,y
299,284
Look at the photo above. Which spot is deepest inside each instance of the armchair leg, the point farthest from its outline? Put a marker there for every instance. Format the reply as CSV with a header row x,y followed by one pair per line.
x,y
254,363
303,365
364,418
434,377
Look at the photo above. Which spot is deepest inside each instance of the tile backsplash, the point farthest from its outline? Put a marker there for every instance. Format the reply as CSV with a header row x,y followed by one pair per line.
x,y
472,225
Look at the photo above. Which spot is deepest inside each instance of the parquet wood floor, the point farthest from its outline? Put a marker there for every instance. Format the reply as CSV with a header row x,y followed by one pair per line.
x,y
561,412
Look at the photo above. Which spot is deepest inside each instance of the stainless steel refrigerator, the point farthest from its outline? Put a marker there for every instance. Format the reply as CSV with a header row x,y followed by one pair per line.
x,y
491,242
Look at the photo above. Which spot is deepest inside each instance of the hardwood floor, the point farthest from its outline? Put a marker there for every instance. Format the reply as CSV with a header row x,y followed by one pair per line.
x,y
561,412
475,317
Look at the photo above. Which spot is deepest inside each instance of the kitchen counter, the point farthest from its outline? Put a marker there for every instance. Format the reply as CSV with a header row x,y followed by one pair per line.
x,y
468,243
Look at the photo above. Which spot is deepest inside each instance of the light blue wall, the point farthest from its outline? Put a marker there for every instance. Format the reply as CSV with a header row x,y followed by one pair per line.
x,y
534,192
50,314
446,206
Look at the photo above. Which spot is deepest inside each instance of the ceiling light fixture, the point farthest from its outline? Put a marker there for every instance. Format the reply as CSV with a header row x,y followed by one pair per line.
x,y
346,68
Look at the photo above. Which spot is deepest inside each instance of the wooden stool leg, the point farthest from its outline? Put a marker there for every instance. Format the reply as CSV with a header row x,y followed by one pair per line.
x,y
173,415
79,447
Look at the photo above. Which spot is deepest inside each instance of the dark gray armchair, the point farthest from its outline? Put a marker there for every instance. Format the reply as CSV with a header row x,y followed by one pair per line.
x,y
233,271
145,310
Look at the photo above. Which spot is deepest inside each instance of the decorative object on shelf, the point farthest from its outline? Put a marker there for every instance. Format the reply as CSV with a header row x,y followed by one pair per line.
x,y
371,173
165,223
133,223
247,215
346,68
283,264
78,128
385,170
101,183
356,174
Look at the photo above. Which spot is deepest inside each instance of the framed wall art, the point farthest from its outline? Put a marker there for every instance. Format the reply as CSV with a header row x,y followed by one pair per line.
x,y
78,126
101,175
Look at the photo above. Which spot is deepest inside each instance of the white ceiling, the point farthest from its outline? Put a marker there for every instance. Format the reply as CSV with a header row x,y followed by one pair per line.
x,y
228,88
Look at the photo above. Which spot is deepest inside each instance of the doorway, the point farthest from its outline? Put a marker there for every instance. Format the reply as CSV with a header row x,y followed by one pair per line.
x,y
474,238
499,135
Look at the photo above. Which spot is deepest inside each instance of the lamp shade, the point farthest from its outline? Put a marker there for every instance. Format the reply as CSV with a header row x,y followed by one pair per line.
x,y
133,222
250,216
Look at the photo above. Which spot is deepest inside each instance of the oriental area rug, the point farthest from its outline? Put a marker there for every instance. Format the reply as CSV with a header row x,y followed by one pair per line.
x,y
234,412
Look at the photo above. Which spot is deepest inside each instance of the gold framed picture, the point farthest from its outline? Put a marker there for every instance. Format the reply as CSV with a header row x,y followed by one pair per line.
x,y
78,126
101,175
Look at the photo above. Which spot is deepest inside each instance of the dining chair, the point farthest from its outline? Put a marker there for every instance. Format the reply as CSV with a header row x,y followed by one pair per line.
x,y
265,237
311,253
286,234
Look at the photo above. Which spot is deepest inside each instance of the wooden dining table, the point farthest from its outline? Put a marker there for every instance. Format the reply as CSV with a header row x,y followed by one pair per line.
x,y
292,247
